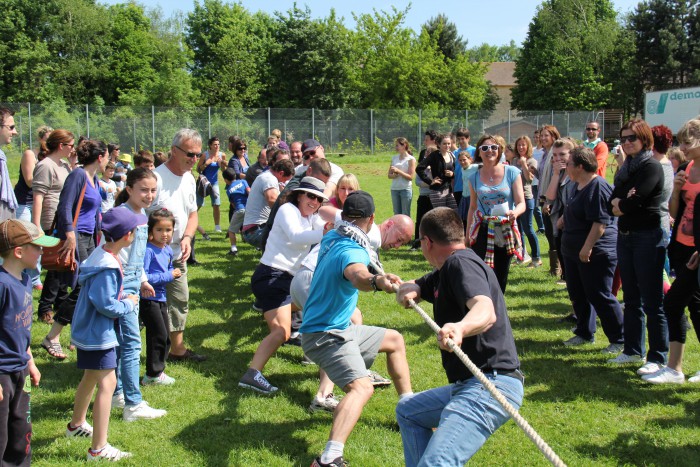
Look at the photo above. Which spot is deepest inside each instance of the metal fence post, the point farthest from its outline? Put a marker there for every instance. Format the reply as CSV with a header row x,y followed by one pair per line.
x,y
269,123
153,127
420,127
87,120
313,123
29,111
209,119
134,135
509,125
371,130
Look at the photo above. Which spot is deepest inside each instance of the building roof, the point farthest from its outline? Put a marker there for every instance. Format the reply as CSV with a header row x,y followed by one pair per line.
x,y
501,74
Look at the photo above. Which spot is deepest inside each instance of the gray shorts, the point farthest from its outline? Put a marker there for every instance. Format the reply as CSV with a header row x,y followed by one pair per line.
x,y
236,221
301,284
177,295
344,355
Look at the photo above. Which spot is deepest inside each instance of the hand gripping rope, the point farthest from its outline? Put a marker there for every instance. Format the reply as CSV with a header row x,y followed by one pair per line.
x,y
517,418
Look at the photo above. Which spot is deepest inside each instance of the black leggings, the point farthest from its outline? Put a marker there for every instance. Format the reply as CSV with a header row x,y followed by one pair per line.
x,y
85,246
684,292
155,317
423,205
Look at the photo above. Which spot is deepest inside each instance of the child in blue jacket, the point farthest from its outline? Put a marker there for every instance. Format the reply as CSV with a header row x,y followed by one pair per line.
x,y
94,330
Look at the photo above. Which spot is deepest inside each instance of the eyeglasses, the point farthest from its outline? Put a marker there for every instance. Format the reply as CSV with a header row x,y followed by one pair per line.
x,y
591,129
189,154
626,139
309,154
69,145
486,147
313,197
11,127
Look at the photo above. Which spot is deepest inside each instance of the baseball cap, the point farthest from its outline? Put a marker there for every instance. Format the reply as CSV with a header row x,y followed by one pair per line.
x,y
16,232
117,222
312,185
309,144
358,205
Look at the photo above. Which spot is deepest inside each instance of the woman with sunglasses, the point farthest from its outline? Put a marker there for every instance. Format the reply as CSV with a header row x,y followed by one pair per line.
x,y
496,201
683,253
636,201
297,226
442,166
47,183
239,159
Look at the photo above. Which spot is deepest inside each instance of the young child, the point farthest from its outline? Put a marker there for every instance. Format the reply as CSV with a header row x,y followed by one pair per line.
x,y
20,247
237,191
108,188
145,160
158,265
99,305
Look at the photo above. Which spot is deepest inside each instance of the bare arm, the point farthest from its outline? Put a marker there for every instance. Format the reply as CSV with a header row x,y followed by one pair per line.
x,y
518,198
360,277
27,166
186,241
271,195
36,209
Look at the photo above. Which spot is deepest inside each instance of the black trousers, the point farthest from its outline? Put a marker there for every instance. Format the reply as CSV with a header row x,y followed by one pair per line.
x,y
423,205
154,316
85,246
15,420
501,259
684,292
54,292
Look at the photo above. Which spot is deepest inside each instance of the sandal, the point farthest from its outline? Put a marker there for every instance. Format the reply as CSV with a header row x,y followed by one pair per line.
x,y
54,349
47,317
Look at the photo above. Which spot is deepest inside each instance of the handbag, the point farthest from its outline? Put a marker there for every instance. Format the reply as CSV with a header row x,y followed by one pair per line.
x,y
51,259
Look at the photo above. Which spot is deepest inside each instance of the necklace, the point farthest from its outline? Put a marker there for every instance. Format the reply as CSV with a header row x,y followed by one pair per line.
x,y
490,179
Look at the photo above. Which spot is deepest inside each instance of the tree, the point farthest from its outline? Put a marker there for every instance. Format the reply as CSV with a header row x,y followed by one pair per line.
x,y
445,33
567,56
667,38
494,53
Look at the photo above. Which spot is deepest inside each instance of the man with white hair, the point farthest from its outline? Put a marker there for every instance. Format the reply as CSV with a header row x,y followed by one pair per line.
x,y
176,193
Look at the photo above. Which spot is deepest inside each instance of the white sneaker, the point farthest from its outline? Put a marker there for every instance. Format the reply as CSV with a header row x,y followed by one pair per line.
x,y
526,260
624,358
161,379
107,453
217,228
695,378
118,401
142,411
649,368
665,375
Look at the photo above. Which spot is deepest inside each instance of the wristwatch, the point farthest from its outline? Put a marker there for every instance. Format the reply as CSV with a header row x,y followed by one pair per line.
x,y
373,281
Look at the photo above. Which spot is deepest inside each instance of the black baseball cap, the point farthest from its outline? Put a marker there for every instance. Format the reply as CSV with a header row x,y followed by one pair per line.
x,y
309,144
358,205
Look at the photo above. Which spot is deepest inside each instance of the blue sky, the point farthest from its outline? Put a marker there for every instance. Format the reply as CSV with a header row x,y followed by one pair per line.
x,y
495,22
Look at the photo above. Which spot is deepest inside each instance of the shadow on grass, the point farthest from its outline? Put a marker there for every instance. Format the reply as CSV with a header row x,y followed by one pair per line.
x,y
642,449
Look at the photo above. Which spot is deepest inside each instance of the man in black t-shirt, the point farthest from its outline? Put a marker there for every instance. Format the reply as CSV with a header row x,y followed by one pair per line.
x,y
470,308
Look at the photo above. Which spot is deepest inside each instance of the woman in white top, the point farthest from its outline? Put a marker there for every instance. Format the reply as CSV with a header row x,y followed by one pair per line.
x,y
402,171
297,226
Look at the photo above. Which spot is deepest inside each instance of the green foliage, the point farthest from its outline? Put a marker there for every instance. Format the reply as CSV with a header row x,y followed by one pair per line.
x,y
445,33
495,53
566,57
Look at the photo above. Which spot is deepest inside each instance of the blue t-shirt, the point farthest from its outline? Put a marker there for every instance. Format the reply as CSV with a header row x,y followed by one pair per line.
x,y
15,321
326,311
211,171
489,196
237,193
459,186
92,202
158,265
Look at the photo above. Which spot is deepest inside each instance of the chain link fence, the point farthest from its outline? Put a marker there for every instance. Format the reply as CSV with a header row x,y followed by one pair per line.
x,y
353,131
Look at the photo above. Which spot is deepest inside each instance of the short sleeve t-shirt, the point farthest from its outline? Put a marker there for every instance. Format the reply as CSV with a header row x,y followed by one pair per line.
x,y
108,190
463,276
257,210
15,321
176,193
585,207
400,183
327,311
48,182
489,196
237,193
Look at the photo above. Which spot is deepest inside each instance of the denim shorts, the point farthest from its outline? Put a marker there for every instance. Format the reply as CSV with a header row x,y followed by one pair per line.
x,y
97,359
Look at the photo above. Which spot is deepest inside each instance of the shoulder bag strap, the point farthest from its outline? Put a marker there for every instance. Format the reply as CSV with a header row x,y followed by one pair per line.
x,y
80,203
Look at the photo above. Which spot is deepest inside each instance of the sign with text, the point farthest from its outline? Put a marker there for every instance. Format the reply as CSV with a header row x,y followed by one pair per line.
x,y
672,108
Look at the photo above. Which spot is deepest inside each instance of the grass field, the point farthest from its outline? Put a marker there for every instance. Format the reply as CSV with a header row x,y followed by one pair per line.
x,y
591,413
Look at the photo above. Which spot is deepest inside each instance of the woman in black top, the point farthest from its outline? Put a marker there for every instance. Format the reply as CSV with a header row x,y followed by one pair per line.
x,y
641,251
442,167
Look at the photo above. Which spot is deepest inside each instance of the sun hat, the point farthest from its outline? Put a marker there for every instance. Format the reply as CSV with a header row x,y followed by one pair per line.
x,y
312,185
16,232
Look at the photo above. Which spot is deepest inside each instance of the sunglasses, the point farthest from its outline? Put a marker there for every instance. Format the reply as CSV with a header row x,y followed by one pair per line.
x,y
11,127
486,147
313,197
189,154
591,129
242,149
309,154
628,139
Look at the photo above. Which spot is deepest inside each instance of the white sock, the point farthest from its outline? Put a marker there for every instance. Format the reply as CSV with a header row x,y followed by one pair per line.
x,y
234,248
405,394
217,227
334,449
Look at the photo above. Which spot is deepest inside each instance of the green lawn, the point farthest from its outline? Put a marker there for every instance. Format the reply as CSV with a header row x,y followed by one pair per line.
x,y
590,412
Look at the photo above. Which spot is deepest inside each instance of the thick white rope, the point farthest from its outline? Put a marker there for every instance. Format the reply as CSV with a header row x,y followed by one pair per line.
x,y
512,411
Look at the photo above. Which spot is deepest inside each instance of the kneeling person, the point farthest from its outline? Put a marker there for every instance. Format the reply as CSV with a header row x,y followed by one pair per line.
x,y
343,350
470,308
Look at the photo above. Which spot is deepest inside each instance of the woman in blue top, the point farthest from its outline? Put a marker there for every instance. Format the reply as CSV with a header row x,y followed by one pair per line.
x,y
81,240
496,191
208,165
239,159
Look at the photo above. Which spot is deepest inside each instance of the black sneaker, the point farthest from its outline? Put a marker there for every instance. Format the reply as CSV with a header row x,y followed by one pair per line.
x,y
337,462
205,236
232,253
253,379
295,341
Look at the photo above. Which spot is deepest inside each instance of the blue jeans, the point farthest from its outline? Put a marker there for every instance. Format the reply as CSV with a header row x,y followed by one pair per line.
x,y
24,212
401,201
128,358
527,230
465,415
641,255
537,213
